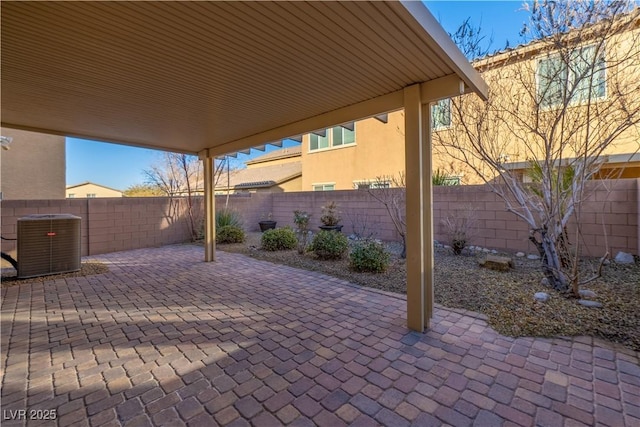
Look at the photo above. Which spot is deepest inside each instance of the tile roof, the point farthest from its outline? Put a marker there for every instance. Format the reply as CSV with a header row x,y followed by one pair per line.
x,y
265,176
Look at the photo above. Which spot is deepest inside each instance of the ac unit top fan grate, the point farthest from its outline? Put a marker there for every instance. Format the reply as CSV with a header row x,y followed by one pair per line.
x,y
48,244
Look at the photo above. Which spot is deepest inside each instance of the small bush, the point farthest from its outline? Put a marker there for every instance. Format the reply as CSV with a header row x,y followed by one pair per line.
x,y
369,256
229,234
460,227
330,215
279,239
226,217
329,244
301,219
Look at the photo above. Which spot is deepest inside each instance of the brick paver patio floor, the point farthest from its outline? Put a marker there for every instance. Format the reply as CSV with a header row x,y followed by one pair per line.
x,y
166,339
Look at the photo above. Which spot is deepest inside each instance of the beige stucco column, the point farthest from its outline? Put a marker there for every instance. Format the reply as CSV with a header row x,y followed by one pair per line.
x,y
209,209
418,209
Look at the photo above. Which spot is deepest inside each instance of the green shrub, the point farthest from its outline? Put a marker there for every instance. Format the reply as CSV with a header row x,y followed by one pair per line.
x,y
226,217
229,234
442,178
279,239
370,256
329,244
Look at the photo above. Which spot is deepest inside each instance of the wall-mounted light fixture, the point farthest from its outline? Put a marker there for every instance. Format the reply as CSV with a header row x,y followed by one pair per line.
x,y
5,141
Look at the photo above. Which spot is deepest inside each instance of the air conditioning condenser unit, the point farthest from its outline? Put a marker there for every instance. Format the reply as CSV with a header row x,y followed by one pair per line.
x,y
48,244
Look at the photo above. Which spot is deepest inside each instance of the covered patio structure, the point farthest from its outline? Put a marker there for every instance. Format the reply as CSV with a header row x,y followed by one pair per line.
x,y
210,78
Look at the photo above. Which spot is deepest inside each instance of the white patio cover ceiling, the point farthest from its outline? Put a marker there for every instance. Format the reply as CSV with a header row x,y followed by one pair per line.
x,y
189,76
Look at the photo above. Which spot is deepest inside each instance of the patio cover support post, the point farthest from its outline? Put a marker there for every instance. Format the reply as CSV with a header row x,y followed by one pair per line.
x,y
209,209
419,238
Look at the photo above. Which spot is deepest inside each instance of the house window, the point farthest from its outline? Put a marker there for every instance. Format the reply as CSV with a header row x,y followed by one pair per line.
x,y
324,187
318,142
91,195
576,79
333,137
441,114
71,195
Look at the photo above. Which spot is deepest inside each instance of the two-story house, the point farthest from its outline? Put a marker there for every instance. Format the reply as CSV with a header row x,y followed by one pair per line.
x,y
33,166
528,81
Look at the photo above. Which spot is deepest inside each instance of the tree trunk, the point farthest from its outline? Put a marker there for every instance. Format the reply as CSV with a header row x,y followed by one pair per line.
x,y
551,262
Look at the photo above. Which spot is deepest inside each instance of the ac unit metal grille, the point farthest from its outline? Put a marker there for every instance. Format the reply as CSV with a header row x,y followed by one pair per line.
x,y
48,244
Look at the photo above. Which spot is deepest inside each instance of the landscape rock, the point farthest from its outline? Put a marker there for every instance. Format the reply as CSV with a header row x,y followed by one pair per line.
x,y
519,254
493,251
586,293
533,256
588,303
498,263
541,296
545,282
624,258
486,251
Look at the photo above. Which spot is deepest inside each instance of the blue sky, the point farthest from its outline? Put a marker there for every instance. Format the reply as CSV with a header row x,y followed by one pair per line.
x,y
120,166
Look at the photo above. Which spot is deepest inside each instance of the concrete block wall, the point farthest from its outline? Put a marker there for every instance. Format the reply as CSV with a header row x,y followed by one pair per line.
x,y
494,227
252,207
109,224
609,217
359,211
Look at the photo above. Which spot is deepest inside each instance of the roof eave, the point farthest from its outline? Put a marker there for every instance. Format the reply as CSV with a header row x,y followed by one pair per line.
x,y
437,37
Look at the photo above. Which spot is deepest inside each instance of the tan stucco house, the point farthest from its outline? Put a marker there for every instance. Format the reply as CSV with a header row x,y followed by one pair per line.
x,y
89,190
345,157
33,166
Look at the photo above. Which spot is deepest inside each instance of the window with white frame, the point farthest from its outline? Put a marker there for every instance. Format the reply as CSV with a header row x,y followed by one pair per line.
x,y
333,137
91,195
72,195
327,186
441,114
574,80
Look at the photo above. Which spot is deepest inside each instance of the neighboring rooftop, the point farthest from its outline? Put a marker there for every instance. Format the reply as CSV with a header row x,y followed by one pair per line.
x,y
264,176
282,153
91,183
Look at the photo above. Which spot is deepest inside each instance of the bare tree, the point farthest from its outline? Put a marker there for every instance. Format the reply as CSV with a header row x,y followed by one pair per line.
x,y
391,192
557,105
471,40
179,175
143,190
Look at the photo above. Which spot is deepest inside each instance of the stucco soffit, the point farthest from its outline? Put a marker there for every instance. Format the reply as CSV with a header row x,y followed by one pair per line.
x,y
369,108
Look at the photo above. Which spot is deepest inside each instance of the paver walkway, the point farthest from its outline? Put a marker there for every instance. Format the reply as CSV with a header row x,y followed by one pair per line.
x,y
166,339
